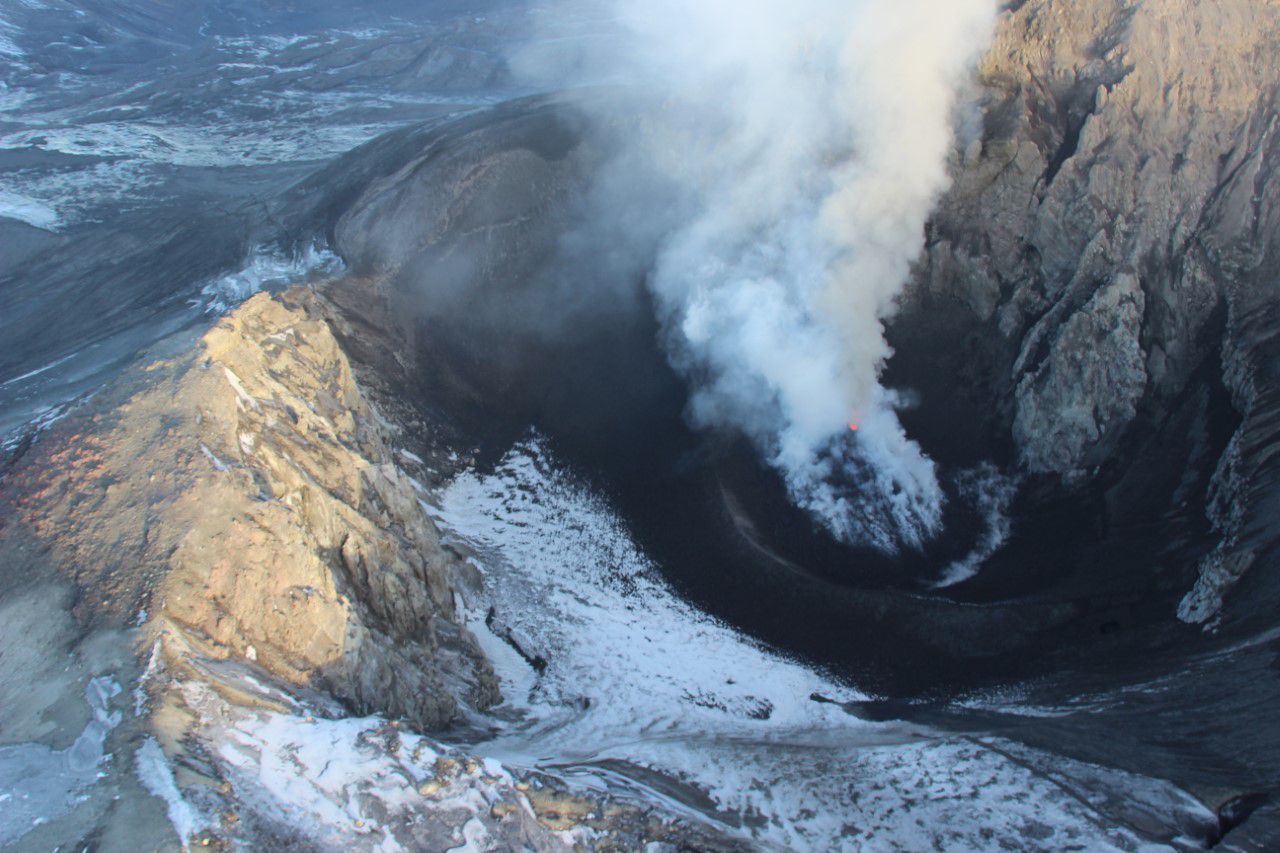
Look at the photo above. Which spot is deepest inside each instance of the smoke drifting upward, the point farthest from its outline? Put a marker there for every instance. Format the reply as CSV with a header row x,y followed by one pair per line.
x,y
804,143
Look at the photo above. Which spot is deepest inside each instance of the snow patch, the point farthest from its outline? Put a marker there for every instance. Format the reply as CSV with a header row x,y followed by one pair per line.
x,y
267,269
29,210
30,373
625,685
155,775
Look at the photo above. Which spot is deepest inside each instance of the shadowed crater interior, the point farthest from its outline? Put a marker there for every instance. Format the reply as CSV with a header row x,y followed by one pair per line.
x,y
517,310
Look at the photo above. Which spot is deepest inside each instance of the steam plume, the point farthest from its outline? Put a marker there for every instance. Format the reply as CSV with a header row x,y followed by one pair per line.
x,y
805,143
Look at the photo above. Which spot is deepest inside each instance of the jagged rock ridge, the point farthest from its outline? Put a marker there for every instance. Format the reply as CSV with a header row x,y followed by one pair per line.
x,y
247,498
1111,227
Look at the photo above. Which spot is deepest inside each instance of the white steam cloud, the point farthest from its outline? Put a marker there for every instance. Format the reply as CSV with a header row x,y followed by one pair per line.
x,y
806,142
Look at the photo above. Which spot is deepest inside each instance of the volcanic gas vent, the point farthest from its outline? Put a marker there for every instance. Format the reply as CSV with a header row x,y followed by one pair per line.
x,y
673,326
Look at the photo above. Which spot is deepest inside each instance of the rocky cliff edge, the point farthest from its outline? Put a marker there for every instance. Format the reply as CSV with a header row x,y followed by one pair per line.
x,y
239,505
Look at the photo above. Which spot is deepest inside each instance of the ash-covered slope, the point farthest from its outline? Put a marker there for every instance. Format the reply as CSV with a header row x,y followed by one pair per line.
x,y
143,145
1089,310
1093,308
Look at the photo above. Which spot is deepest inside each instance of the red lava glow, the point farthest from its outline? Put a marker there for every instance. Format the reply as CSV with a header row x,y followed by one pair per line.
x,y
853,425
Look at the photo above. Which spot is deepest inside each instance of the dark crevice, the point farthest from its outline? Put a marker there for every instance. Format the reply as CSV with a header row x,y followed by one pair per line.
x,y
1235,811
1066,149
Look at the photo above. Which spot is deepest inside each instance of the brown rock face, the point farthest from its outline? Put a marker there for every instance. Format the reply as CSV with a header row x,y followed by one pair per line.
x,y
243,500
247,498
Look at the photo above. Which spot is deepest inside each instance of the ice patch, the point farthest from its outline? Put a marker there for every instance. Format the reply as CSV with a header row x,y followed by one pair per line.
x,y
29,210
38,784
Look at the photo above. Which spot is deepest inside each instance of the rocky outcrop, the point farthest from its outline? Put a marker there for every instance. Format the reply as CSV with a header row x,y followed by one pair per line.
x,y
1058,419
246,500
257,765
244,503
1107,227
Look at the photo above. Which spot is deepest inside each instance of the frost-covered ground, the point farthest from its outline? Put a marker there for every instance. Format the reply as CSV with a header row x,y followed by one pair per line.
x,y
612,682
141,145
38,783
114,141
640,689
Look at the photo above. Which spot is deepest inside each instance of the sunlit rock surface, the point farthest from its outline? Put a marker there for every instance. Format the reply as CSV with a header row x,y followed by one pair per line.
x,y
258,449
243,505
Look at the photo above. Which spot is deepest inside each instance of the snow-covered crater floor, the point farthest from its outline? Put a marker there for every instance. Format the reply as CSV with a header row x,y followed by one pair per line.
x,y
635,692
638,679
